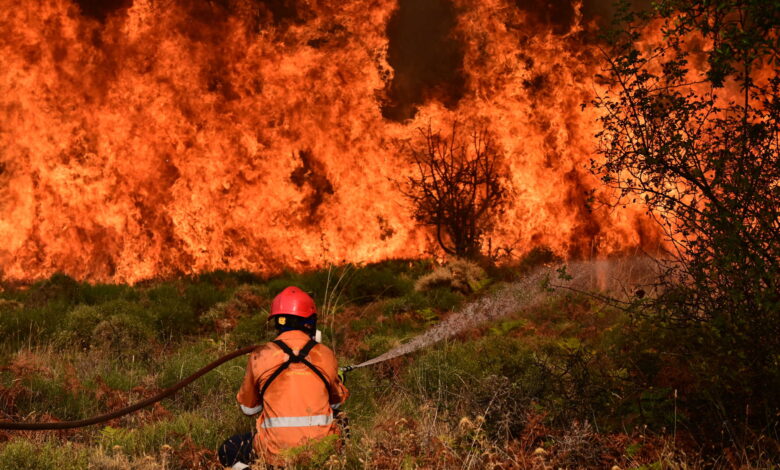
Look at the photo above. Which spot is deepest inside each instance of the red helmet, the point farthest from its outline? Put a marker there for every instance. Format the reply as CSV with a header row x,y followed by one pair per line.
x,y
293,301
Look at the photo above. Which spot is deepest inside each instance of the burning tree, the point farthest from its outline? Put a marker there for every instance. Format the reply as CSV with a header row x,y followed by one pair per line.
x,y
457,187
702,151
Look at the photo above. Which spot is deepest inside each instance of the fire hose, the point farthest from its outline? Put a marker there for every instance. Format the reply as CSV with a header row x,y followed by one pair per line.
x,y
17,426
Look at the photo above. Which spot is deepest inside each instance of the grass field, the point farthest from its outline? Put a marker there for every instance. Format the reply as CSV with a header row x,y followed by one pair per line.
x,y
568,384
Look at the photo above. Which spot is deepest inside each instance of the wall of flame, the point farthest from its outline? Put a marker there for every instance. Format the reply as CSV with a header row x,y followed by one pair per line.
x,y
175,137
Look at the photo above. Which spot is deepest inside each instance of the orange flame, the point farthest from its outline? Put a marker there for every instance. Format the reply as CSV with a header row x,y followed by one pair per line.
x,y
177,138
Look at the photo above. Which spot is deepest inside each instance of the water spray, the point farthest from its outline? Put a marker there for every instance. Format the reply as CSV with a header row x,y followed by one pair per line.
x,y
617,277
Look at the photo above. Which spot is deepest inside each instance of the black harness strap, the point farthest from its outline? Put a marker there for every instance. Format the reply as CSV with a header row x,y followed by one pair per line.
x,y
294,358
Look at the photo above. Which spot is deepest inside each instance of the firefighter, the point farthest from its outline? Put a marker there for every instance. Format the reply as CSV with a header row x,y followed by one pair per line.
x,y
292,383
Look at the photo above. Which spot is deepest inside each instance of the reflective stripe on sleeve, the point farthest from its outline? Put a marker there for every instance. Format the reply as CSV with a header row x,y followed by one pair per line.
x,y
239,466
296,421
251,411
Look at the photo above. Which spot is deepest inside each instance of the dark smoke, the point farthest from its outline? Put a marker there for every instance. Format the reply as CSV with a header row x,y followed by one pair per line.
x,y
312,178
100,9
427,59
557,13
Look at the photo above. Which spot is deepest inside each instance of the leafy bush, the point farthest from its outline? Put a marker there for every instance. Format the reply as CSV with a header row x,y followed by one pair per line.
x,y
120,326
247,300
79,325
123,335
374,282
202,296
31,325
250,330
173,315
313,454
101,293
59,288
706,165
18,323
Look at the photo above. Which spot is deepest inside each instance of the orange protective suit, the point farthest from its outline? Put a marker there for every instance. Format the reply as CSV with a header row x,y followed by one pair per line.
x,y
296,406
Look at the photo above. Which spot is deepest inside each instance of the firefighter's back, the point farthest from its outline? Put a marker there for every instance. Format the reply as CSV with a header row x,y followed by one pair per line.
x,y
296,399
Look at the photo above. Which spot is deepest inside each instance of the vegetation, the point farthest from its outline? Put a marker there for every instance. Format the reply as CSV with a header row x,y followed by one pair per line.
x,y
570,383
692,131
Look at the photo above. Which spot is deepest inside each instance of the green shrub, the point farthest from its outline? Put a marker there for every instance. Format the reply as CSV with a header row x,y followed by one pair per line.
x,y
22,454
120,326
59,288
120,374
16,323
378,343
250,330
202,296
31,325
443,299
95,294
123,335
45,309
172,314
376,281
79,324
443,372
246,301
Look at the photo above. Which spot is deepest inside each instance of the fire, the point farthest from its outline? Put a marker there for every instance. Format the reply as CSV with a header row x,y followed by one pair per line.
x,y
178,137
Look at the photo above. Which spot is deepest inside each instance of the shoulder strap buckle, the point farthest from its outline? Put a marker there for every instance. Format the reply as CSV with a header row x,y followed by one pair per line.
x,y
301,356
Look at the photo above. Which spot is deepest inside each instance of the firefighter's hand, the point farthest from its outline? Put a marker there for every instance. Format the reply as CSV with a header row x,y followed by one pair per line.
x,y
342,376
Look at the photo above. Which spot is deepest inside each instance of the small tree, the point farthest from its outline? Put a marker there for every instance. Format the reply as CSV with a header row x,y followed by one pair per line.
x,y
457,187
701,149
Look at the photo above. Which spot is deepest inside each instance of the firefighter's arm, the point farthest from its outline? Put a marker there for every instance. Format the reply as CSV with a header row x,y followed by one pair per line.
x,y
338,393
248,395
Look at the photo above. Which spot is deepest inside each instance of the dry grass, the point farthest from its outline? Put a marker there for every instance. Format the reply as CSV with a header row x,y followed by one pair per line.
x,y
458,274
